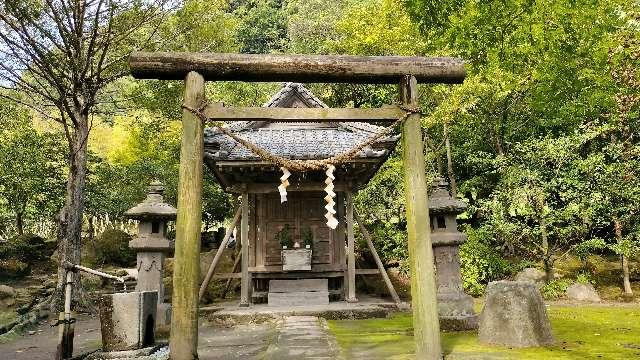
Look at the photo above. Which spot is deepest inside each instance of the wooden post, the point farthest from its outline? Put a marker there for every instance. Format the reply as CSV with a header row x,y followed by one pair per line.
x,y
426,329
351,257
186,269
216,258
245,281
66,327
383,272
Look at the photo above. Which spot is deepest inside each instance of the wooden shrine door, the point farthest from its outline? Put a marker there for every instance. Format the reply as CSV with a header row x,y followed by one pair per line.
x,y
301,210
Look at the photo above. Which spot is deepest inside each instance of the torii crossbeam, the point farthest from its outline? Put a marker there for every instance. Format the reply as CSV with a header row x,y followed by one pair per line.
x,y
196,68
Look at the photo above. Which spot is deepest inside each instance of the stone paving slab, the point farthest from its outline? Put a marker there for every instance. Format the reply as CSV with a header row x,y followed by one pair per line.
x,y
303,337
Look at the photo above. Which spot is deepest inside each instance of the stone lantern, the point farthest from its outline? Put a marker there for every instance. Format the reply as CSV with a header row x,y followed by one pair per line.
x,y
455,308
152,244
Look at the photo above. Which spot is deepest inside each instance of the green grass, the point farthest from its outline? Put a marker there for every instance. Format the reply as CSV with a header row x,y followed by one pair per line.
x,y
585,332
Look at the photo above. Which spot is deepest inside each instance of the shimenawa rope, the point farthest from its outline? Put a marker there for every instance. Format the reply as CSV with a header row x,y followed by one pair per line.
x,y
287,165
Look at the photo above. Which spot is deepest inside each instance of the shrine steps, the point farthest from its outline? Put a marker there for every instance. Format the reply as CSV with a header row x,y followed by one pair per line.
x,y
298,292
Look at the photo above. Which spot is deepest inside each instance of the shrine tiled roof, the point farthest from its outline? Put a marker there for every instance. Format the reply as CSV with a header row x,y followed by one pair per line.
x,y
295,140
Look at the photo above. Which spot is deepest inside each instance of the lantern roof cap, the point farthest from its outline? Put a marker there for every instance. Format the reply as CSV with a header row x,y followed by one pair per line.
x,y
153,207
441,202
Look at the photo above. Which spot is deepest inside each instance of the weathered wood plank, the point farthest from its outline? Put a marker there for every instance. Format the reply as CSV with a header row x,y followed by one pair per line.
x,y
216,258
186,268
255,188
381,270
245,282
218,112
302,68
351,257
423,285
367,271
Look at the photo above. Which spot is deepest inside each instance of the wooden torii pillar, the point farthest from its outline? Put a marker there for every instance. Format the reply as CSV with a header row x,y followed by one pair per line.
x,y
196,68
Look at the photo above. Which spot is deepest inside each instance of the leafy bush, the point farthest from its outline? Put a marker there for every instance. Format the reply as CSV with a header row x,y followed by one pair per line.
x,y
13,268
112,247
25,248
555,289
284,237
584,278
480,263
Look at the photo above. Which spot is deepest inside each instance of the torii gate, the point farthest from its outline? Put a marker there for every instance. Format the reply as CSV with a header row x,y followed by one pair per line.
x,y
196,68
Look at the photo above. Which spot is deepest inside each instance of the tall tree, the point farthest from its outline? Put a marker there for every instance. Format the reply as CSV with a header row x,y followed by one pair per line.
x,y
62,53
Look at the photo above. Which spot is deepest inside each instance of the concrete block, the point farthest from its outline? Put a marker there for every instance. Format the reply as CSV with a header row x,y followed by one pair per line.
x,y
299,298
297,259
298,285
127,320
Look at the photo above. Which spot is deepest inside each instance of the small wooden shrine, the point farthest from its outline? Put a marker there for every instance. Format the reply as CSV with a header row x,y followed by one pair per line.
x,y
239,170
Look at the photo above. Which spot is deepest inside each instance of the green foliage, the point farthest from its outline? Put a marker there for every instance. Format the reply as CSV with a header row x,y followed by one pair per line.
x,y
555,289
31,170
112,247
263,26
284,237
584,278
307,237
480,263
13,268
27,248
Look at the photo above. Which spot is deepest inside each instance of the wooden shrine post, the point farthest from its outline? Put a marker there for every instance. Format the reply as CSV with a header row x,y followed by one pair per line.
x,y
351,258
426,327
245,281
186,268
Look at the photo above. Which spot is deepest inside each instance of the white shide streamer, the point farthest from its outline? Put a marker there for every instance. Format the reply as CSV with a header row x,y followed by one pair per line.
x,y
284,183
331,211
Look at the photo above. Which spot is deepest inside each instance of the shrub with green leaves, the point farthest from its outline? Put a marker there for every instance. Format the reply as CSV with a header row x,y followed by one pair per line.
x,y
555,289
480,263
112,247
25,248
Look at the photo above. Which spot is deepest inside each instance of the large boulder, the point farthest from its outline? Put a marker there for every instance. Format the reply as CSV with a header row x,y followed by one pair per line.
x,y
532,275
582,292
514,315
7,295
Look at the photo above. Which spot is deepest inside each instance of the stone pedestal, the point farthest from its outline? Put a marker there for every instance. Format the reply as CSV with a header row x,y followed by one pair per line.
x,y
152,244
127,320
514,315
455,308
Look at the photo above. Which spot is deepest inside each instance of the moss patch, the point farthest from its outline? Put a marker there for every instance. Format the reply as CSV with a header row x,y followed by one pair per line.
x,y
588,332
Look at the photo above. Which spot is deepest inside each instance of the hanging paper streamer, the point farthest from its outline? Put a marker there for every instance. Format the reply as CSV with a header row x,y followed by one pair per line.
x,y
284,183
331,211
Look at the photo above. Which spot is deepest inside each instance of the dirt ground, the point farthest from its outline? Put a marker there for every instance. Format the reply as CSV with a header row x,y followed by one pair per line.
x,y
42,344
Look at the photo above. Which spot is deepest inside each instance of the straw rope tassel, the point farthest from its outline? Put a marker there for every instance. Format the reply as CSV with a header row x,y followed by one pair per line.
x,y
331,211
284,183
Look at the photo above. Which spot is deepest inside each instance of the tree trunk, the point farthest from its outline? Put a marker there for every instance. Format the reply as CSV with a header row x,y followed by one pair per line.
x,y
547,257
626,283
70,217
452,177
20,222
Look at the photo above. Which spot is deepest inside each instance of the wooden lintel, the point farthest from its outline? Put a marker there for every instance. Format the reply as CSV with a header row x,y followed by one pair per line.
x,y
218,112
272,188
301,68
